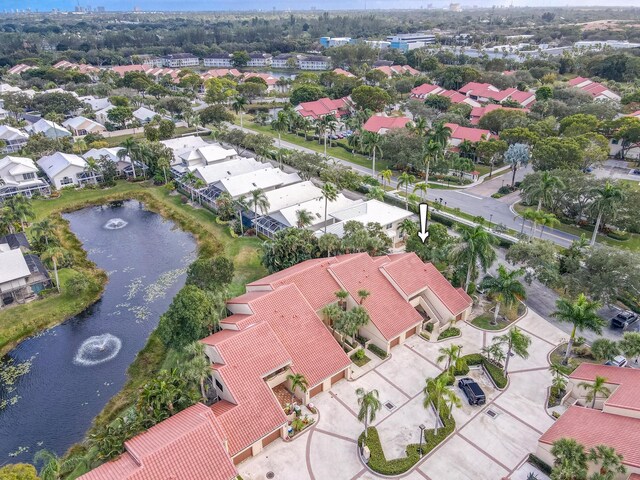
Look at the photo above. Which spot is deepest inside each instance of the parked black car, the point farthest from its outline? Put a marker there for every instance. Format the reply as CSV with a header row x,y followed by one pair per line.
x,y
624,319
472,390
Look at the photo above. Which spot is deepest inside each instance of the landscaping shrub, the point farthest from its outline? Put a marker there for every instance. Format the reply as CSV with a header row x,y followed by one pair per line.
x,y
449,332
539,464
494,371
377,351
429,327
618,235
379,463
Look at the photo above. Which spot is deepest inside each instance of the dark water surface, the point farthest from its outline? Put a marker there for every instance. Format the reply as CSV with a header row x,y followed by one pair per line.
x,y
79,365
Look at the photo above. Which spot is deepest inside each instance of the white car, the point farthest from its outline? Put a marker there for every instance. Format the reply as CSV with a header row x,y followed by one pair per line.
x,y
618,361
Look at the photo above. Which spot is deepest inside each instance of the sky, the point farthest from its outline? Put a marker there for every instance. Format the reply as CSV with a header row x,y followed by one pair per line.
x,y
217,5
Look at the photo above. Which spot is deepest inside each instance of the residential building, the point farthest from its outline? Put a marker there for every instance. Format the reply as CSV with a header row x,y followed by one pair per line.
x,y
381,124
281,198
323,107
180,60
122,69
213,173
6,88
80,68
597,90
22,275
217,60
340,71
410,41
614,422
181,145
123,164
48,129
96,103
19,176
188,445
240,185
421,92
13,139
371,211
392,70
65,169
102,115
221,72
81,126
144,115
485,92
206,155
259,60
285,60
270,80
314,62
478,112
327,42
19,68
460,134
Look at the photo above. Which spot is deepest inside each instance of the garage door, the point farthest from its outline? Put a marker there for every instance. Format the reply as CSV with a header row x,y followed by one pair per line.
x,y
395,341
270,438
242,456
413,331
337,377
315,390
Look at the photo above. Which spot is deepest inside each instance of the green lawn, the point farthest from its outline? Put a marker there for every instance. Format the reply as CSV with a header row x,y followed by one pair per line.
x,y
337,152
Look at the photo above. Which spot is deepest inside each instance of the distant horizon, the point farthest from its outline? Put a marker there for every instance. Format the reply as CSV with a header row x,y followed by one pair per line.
x,y
204,6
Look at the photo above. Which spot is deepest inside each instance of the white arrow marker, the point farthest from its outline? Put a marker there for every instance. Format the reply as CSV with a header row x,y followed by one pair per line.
x,y
423,234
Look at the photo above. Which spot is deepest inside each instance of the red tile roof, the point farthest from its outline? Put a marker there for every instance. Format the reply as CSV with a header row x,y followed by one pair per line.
x,y
578,80
467,133
221,72
591,427
486,90
187,446
269,79
388,310
478,112
425,90
122,69
455,97
380,122
248,356
322,107
591,87
340,71
412,275
626,395
397,70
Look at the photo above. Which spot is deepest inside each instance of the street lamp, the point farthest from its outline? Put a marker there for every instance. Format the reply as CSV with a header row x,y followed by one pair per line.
x,y
503,182
422,428
490,218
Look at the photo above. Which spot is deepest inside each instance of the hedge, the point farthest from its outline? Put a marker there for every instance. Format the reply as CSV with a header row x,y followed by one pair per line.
x,y
494,371
449,332
377,350
379,463
619,235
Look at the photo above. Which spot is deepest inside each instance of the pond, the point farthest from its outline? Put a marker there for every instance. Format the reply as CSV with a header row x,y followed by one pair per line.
x,y
76,367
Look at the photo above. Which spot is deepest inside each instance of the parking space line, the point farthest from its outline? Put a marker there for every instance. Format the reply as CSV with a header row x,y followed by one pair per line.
x,y
392,384
487,454
335,397
526,370
538,337
518,418
359,474
422,356
341,437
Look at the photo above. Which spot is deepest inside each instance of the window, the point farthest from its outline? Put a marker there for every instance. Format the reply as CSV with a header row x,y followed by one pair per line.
x,y
29,176
66,181
389,226
219,386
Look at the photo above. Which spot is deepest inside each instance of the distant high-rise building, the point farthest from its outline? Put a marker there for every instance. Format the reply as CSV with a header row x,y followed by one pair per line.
x,y
455,7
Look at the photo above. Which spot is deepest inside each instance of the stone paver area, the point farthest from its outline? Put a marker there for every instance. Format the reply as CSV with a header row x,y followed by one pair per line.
x,y
482,447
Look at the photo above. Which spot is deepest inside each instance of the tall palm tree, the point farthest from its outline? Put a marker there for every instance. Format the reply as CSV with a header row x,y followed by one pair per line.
x,y
467,149
596,388
582,313
238,106
129,146
259,201
330,194
506,288
92,167
475,247
53,467
609,460
342,295
405,180
440,134
422,188
304,218
43,229
56,255
543,189
297,381
372,144
548,220
189,178
430,151
450,355
407,227
608,198
198,368
437,393
280,124
20,208
356,141
570,460
240,205
370,404
386,176
419,126
516,342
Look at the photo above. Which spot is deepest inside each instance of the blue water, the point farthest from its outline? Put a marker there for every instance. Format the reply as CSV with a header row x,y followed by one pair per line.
x,y
60,396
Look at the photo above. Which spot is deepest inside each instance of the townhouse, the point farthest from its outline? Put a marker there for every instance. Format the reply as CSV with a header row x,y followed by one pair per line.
x,y
123,164
340,71
285,60
20,68
22,275
48,129
65,169
13,139
217,60
259,60
381,123
392,70
314,62
19,176
81,126
423,91
478,112
180,60
459,134
485,92
323,107
597,90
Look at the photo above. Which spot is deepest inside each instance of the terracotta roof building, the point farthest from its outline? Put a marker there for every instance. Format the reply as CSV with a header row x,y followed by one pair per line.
x,y
597,90
459,134
381,124
421,92
485,92
323,107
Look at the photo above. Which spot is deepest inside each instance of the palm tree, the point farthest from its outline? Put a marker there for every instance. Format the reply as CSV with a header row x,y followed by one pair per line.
x,y
570,460
53,467
475,247
548,220
506,288
516,155
467,149
516,342
595,389
56,255
241,204
440,134
92,167
450,354
259,201
342,295
582,313
609,460
280,124
372,144
330,194
189,178
430,150
43,229
436,392
198,368
363,294
369,404
419,126
407,227
297,381
422,188
304,218
21,209
129,146
386,176
238,106
607,200
404,180
375,193
544,189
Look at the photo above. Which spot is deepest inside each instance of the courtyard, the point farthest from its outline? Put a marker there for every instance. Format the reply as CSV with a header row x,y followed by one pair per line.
x,y
490,442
